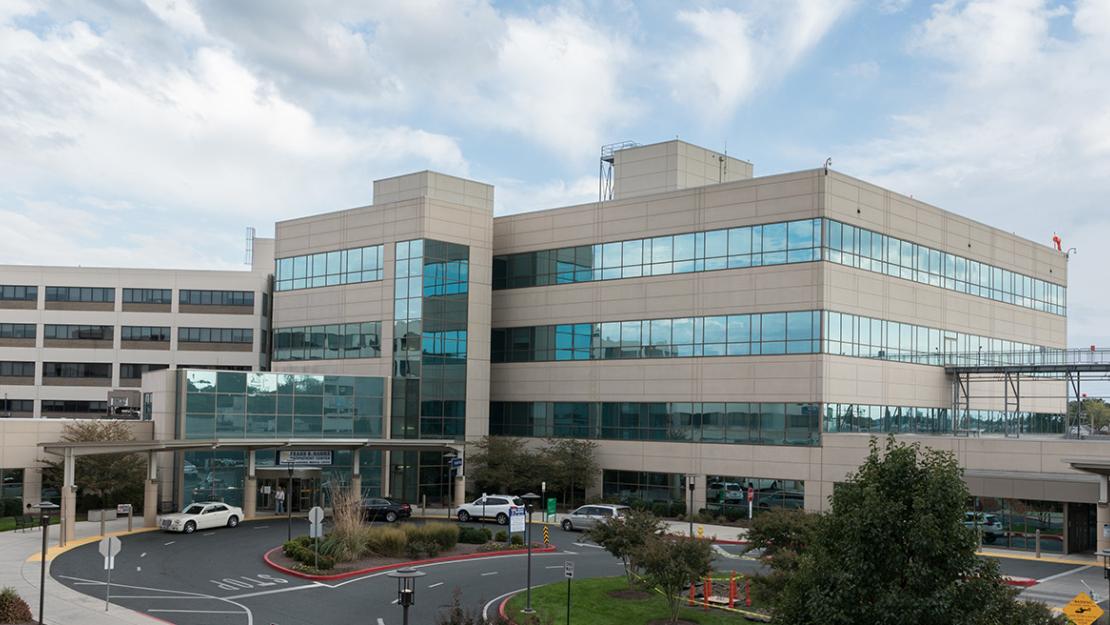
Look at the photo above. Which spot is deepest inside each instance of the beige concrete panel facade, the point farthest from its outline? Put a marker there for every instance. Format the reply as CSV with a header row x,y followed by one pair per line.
x,y
18,304
22,436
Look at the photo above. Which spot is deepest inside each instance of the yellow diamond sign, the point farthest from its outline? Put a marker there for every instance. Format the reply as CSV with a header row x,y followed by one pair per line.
x,y
1083,610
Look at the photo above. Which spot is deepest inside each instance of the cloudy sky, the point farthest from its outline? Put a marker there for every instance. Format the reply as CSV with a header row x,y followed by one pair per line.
x,y
151,132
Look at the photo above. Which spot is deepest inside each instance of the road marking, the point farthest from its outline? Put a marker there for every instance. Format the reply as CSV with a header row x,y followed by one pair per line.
x,y
488,573
142,555
139,568
261,527
169,543
571,553
435,585
208,533
380,621
275,591
588,545
1064,574
394,602
180,594
553,567
202,611
497,600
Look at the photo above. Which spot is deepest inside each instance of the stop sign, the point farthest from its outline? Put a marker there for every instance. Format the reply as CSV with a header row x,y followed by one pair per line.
x,y
751,493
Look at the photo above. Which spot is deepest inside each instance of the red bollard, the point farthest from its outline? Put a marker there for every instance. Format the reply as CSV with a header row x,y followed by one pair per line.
x,y
732,590
708,591
748,593
692,594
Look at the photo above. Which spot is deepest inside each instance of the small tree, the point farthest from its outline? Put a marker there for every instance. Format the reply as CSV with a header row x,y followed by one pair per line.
x,y
624,536
781,535
106,477
504,464
894,549
671,564
571,463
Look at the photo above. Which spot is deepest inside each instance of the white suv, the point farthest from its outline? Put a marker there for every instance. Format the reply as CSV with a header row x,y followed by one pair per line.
x,y
490,507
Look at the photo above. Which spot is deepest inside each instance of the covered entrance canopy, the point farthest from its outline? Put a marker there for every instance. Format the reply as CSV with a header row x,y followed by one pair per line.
x,y
1101,468
69,451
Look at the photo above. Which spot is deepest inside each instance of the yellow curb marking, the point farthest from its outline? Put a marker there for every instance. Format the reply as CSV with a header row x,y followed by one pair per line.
x,y
55,551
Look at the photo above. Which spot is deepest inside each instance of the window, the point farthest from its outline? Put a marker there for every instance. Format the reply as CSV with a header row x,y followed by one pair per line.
x,y
77,332
17,369
749,246
726,335
147,296
350,266
9,406
130,371
17,331
80,294
872,251
58,406
629,486
710,422
19,293
77,370
192,297
145,333
342,340
215,335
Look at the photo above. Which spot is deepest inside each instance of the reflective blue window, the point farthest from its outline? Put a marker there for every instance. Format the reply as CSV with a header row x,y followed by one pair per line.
x,y
360,264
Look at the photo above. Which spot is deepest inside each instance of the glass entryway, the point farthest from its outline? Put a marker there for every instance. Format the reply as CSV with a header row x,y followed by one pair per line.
x,y
301,495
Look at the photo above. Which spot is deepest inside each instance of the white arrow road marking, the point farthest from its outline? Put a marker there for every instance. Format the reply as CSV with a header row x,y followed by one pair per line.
x,y
169,543
142,555
488,573
435,585
588,545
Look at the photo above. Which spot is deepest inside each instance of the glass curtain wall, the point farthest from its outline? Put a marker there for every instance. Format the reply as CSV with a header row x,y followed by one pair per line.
x,y
431,295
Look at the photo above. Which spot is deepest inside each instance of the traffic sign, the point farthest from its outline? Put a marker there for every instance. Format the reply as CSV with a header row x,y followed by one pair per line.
x,y
568,569
109,547
456,463
315,530
316,514
1083,610
751,493
516,519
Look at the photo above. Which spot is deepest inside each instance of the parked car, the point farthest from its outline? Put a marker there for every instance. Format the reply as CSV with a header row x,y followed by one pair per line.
x,y
200,516
725,491
587,517
989,524
495,507
376,508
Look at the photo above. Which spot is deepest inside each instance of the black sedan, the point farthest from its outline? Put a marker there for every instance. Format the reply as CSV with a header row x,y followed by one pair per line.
x,y
380,508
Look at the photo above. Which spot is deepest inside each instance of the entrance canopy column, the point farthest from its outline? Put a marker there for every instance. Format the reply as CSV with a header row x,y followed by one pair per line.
x,y
250,488
69,499
150,492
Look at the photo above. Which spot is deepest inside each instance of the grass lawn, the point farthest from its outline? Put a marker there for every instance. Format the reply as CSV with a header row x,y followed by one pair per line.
x,y
592,605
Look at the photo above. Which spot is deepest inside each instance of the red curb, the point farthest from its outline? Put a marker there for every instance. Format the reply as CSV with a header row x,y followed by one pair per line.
x,y
1023,582
501,608
398,565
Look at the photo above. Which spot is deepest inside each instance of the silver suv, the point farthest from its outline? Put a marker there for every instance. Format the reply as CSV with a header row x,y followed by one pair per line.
x,y
587,517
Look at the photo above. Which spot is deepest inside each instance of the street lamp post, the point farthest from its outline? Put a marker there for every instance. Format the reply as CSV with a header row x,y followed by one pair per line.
x,y
289,505
45,508
406,589
690,516
529,504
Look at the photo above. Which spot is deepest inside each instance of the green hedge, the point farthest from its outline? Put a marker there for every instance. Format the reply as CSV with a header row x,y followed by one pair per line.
x,y
475,535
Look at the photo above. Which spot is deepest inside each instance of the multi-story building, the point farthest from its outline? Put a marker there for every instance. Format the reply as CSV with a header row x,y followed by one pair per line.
x,y
705,327
71,338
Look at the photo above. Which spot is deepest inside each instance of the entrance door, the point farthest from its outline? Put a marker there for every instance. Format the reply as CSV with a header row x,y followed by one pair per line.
x,y
1081,527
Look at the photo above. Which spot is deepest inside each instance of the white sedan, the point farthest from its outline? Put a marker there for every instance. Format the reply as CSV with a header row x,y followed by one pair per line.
x,y
201,515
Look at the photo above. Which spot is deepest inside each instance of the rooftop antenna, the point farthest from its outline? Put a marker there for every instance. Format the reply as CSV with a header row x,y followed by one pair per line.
x,y
722,169
248,255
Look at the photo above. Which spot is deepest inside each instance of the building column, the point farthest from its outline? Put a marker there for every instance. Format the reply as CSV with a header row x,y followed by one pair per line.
x,y
356,473
150,492
250,488
460,490
1102,521
387,473
32,489
69,500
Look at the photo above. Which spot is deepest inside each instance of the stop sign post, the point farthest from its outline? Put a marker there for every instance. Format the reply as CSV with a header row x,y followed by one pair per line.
x,y
109,547
316,529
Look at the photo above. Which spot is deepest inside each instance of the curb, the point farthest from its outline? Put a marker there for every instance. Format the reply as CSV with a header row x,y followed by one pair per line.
x,y
397,565
1021,582
501,608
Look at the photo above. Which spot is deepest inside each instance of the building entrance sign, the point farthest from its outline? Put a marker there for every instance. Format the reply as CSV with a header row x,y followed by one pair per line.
x,y
304,458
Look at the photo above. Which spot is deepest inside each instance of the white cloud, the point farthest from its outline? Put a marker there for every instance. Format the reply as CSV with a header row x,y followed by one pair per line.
x,y
89,121
517,196
1018,135
733,53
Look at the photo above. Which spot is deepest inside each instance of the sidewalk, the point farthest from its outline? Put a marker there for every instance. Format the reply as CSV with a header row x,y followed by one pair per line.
x,y
679,528
20,569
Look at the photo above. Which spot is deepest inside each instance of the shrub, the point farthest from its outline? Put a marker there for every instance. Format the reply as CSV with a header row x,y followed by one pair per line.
x,y
661,508
388,542
421,548
676,508
516,539
13,609
474,535
501,536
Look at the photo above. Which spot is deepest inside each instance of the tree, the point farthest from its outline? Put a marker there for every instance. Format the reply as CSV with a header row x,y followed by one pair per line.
x,y
1095,411
571,463
504,464
106,479
671,564
781,536
623,536
894,549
